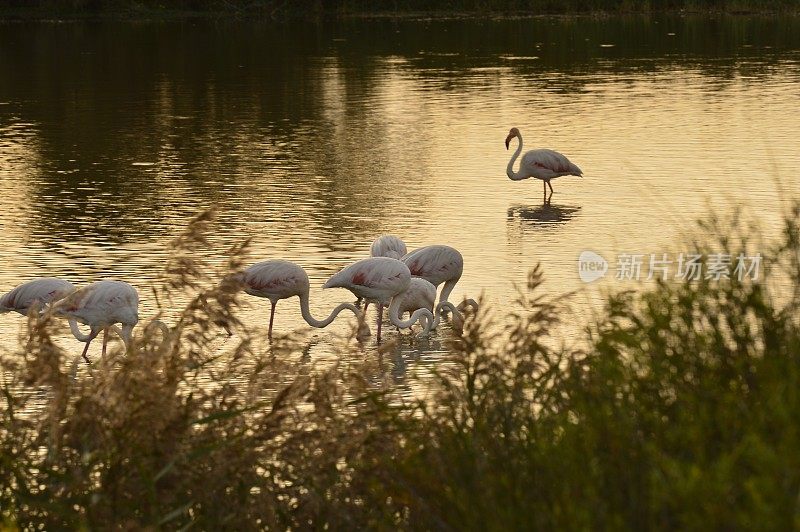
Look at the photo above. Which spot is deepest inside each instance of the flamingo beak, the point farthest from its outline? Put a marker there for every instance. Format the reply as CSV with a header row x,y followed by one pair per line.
x,y
508,139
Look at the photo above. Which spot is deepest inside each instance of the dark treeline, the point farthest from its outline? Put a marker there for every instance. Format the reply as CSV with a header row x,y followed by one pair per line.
x,y
96,89
275,8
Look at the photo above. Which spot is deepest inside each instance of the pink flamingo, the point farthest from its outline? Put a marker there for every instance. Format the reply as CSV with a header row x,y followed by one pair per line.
x,y
101,305
438,264
388,246
379,279
422,294
541,164
280,279
35,293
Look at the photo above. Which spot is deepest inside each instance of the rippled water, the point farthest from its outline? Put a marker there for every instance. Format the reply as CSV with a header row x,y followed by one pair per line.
x,y
315,138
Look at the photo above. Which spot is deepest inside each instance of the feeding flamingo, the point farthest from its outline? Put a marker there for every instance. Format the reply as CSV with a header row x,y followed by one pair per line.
x,y
101,305
37,292
541,164
379,279
388,246
438,264
280,279
422,294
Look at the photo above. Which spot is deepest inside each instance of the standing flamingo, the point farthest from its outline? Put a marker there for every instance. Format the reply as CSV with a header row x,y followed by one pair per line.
x,y
37,292
541,164
388,246
438,264
422,294
379,279
101,305
280,279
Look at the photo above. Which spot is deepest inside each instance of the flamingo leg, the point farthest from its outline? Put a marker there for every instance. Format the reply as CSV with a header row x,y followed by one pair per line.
x,y
551,187
380,319
271,318
105,342
86,350
544,185
92,336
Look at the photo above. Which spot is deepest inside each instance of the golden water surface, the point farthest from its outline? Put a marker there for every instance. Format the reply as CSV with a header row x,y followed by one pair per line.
x,y
313,139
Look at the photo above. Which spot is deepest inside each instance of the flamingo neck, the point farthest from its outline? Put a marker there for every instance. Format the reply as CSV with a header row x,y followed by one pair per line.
x,y
126,333
458,319
311,320
510,169
418,315
160,325
163,327
76,332
468,303
447,289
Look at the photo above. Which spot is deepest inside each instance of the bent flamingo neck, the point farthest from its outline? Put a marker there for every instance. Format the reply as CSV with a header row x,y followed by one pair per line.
x,y
76,332
418,315
510,169
311,320
458,319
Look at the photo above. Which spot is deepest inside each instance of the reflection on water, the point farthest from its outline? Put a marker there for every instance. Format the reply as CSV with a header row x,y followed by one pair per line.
x,y
113,134
544,215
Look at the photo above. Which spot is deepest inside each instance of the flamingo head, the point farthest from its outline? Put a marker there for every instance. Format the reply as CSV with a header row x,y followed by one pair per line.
x,y
363,331
514,132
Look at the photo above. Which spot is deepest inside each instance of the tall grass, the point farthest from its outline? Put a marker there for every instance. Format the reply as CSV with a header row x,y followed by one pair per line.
x,y
680,411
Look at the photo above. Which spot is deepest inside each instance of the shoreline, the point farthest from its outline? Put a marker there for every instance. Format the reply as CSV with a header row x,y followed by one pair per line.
x,y
143,15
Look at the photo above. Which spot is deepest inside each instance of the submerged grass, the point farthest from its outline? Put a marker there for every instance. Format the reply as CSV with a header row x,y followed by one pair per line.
x,y
682,411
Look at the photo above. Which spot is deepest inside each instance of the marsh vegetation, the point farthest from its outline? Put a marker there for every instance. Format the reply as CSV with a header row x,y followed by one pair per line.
x,y
679,410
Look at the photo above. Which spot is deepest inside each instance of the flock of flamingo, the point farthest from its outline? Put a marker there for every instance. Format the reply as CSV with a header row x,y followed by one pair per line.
x,y
405,282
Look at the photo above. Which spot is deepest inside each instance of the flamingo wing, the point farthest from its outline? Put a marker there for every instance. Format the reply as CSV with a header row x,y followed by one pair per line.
x,y
102,303
420,294
428,294
44,290
436,264
276,277
547,164
383,274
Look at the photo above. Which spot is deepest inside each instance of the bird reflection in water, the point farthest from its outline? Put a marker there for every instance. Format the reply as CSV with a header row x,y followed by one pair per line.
x,y
398,357
545,215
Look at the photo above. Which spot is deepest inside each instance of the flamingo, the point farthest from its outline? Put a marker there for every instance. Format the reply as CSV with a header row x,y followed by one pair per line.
x,y
385,246
422,294
101,305
34,293
379,279
280,279
541,164
438,264
388,246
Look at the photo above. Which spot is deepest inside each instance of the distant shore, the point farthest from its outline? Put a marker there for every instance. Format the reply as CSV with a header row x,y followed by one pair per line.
x,y
276,10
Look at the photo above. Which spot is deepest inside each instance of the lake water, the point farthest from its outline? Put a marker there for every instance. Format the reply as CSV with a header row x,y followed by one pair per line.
x,y
315,138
